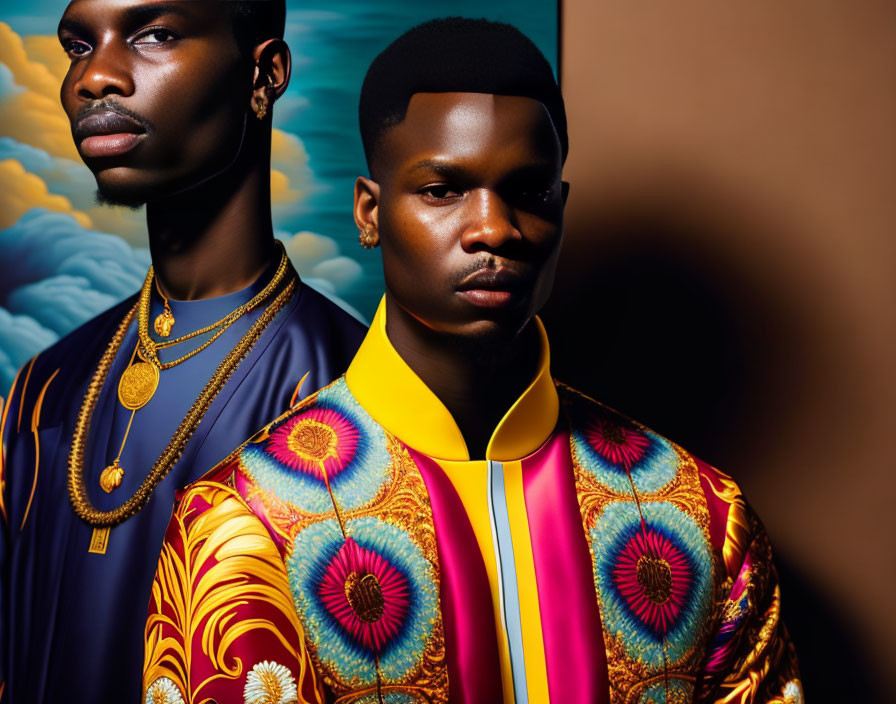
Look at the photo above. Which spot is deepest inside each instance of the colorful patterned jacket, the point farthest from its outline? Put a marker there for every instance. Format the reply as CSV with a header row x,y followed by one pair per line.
x,y
352,552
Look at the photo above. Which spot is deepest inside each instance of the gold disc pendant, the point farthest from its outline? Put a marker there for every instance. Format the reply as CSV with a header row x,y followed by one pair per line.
x,y
111,476
164,322
137,385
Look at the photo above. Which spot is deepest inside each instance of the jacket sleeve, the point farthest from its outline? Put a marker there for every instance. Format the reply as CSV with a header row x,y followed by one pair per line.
x,y
750,659
221,624
9,419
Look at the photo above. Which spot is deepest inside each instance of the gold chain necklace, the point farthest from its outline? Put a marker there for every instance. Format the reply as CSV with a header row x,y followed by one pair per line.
x,y
150,348
139,381
102,521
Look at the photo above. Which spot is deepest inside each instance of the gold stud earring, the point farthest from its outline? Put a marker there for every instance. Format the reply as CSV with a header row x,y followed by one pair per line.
x,y
369,237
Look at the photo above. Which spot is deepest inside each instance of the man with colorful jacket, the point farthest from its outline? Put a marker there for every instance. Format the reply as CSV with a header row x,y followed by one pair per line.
x,y
446,522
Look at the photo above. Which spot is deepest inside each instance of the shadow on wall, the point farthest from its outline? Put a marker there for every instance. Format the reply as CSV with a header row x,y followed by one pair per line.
x,y
670,332
652,318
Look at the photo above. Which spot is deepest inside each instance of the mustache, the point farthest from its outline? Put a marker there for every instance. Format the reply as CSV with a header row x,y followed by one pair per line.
x,y
107,111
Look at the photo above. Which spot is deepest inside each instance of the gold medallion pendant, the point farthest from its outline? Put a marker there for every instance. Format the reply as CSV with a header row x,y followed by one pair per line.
x,y
164,322
111,476
137,385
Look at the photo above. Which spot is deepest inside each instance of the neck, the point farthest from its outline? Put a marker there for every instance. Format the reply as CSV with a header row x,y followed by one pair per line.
x,y
217,237
477,380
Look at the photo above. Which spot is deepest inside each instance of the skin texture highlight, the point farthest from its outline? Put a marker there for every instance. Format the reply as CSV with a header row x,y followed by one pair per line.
x,y
161,102
468,205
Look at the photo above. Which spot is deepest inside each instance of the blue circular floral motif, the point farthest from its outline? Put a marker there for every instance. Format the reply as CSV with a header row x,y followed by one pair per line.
x,y
317,553
334,436
675,691
388,698
611,448
655,579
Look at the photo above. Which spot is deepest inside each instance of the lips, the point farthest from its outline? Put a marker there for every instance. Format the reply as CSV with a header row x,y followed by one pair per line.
x,y
107,133
493,287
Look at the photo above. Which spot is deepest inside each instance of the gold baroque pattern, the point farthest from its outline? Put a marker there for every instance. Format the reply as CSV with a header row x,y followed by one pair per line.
x,y
737,528
766,669
213,562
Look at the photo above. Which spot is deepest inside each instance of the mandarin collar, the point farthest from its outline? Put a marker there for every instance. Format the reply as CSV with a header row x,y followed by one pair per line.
x,y
397,398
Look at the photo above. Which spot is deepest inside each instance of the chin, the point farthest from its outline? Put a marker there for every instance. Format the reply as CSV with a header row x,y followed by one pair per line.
x,y
130,188
489,331
120,198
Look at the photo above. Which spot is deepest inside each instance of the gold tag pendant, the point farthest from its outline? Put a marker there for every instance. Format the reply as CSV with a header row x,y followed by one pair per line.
x,y
99,540
137,385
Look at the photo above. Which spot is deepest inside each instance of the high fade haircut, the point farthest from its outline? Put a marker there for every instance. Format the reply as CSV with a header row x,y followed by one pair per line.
x,y
455,54
255,21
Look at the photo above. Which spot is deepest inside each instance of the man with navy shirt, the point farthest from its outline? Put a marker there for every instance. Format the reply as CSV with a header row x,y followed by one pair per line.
x,y
170,105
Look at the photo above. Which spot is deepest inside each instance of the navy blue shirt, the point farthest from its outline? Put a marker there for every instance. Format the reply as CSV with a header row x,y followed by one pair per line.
x,y
71,625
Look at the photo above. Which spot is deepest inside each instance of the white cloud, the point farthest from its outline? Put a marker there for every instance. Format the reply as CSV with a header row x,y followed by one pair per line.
x,y
21,337
54,276
317,256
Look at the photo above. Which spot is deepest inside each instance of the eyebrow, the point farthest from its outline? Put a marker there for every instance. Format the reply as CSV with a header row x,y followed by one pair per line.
x,y
133,17
535,169
439,167
141,14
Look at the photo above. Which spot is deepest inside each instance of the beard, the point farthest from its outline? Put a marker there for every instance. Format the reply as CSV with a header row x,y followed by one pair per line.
x,y
120,199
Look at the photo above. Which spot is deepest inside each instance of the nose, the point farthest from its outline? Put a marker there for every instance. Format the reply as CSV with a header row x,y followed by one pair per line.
x,y
491,222
105,72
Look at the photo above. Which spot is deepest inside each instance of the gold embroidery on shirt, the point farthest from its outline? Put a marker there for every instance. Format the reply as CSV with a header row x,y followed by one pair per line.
x,y
202,578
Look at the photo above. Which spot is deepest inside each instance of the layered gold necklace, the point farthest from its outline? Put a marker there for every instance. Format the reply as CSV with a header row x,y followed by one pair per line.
x,y
137,386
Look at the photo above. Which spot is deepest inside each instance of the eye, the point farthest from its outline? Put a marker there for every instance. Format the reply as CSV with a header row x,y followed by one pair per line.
x,y
155,35
536,193
532,196
542,195
75,47
440,192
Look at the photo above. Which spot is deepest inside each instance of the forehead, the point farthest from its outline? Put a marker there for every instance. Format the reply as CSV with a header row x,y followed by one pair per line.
x,y
473,127
111,12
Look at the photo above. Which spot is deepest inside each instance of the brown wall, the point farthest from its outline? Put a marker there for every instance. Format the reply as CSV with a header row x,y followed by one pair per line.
x,y
729,278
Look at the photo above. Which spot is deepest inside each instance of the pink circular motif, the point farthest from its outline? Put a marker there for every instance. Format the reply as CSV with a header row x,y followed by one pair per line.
x,y
653,576
365,594
318,439
620,444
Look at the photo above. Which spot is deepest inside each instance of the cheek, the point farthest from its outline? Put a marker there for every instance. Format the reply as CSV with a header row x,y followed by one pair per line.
x,y
206,107
415,231
69,104
550,254
415,265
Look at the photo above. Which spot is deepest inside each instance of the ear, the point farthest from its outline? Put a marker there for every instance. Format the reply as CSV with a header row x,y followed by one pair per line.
x,y
273,67
367,200
564,185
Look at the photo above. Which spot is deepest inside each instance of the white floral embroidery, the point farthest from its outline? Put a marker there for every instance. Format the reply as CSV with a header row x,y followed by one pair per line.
x,y
270,683
163,691
793,693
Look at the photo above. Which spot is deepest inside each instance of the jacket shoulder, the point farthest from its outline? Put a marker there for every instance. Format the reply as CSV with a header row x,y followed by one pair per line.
x,y
626,456
224,472
327,318
59,370
585,413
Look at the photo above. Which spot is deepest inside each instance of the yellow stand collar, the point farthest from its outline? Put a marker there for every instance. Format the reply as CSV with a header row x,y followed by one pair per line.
x,y
397,398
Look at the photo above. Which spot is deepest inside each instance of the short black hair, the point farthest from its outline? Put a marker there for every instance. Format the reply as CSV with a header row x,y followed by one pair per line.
x,y
255,21
455,54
